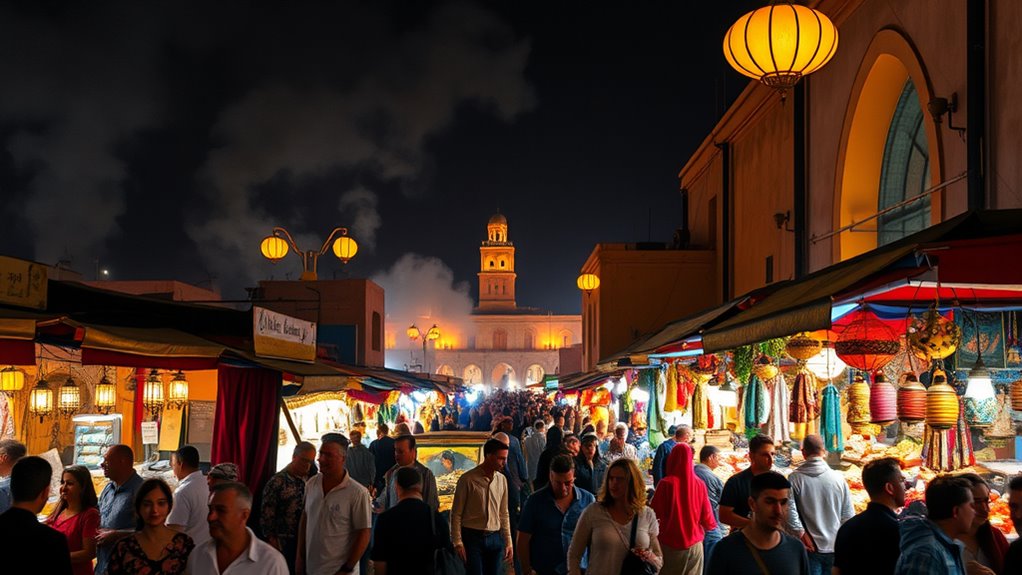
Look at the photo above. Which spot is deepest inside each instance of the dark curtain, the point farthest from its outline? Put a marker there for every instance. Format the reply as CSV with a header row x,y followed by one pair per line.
x,y
246,424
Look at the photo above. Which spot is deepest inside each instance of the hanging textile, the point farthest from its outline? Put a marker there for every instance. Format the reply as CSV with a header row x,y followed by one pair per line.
x,y
656,427
376,397
757,406
830,420
949,449
700,411
777,421
596,396
671,395
804,407
246,421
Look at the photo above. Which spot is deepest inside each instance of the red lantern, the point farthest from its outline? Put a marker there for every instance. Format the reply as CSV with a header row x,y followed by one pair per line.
x,y
867,343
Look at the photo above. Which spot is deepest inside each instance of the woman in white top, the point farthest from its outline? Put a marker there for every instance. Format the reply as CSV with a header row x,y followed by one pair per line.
x,y
605,528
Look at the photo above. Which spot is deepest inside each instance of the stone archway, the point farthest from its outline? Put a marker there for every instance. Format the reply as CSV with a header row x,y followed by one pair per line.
x,y
502,375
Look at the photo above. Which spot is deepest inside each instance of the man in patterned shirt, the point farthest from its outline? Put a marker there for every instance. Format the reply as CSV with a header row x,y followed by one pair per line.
x,y
283,501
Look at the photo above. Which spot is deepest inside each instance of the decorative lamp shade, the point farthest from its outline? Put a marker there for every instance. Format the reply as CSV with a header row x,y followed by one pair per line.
x,y
69,398
941,403
911,400
152,393
273,248
105,396
433,333
764,369
413,332
933,336
826,365
803,346
858,402
780,43
177,394
11,379
1016,395
40,401
345,248
867,343
883,401
588,282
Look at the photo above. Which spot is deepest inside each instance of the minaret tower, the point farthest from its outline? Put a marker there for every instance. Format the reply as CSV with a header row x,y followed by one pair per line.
x,y
496,268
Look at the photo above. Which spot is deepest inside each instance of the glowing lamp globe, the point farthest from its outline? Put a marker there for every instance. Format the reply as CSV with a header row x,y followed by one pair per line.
x,y
152,393
413,332
588,282
40,401
69,398
826,365
105,395
780,43
177,394
273,248
11,379
433,333
867,343
980,401
345,248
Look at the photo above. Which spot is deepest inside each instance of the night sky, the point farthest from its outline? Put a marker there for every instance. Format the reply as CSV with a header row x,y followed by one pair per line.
x,y
164,140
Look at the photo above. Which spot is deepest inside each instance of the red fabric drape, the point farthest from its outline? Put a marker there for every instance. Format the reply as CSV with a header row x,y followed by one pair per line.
x,y
245,424
17,351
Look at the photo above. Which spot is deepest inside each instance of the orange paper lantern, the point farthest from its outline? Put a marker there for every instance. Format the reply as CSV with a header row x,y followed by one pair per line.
x,y
867,343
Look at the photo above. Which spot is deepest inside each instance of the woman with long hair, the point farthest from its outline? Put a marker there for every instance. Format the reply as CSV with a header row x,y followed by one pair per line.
x,y
155,549
984,543
76,515
683,507
605,529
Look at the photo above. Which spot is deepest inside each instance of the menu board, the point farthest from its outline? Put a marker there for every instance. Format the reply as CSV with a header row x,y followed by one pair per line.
x,y
200,422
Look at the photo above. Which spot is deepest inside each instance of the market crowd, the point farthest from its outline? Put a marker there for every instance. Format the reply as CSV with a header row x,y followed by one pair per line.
x,y
554,494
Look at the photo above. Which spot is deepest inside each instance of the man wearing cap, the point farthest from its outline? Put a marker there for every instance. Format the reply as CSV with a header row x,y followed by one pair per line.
x,y
221,473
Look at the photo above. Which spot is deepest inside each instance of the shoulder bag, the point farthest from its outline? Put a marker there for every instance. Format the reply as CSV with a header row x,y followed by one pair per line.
x,y
445,561
633,564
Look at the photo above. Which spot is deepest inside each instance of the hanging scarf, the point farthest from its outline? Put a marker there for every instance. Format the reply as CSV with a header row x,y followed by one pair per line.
x,y
655,424
777,422
700,411
756,406
830,420
804,405
949,449
671,397
686,386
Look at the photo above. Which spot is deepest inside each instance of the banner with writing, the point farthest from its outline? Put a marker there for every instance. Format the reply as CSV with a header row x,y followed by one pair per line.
x,y
283,337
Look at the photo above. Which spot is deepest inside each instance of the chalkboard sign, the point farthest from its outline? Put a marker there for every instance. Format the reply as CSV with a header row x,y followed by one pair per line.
x,y
200,422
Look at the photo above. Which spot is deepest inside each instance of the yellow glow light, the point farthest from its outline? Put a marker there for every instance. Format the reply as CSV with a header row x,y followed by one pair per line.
x,y
273,248
345,248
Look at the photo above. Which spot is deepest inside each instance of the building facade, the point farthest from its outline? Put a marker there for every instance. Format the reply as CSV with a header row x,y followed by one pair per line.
x,y
500,344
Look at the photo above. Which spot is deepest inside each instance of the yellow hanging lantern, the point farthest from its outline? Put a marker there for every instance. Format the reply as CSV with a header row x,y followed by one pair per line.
x,y
105,395
40,401
858,404
780,43
933,336
177,394
587,282
12,379
941,403
69,398
345,248
152,393
1016,395
764,369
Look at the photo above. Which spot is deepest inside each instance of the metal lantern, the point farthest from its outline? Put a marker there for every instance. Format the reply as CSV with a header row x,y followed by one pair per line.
x,y
933,336
40,401
105,395
941,403
803,346
69,398
177,394
345,248
867,343
882,401
152,393
12,379
780,43
273,248
911,400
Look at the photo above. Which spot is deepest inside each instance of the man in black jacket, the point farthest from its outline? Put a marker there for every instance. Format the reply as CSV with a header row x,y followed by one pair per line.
x,y
408,533
21,534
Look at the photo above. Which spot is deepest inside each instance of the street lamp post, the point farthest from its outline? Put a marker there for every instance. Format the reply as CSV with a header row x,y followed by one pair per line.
x,y
279,243
432,334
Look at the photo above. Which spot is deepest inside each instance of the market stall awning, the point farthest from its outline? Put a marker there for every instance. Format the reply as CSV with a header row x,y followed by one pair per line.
x,y
161,348
17,336
806,304
588,379
673,336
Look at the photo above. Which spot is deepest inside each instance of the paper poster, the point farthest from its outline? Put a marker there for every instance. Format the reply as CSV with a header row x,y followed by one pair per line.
x,y
150,433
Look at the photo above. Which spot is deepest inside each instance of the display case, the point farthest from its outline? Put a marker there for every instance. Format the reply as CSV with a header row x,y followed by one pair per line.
x,y
449,454
93,435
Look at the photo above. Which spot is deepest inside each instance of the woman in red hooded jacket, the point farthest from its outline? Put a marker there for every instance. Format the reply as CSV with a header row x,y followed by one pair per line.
x,y
683,509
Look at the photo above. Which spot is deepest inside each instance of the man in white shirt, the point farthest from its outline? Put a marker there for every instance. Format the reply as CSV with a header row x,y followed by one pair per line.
x,y
334,530
234,549
191,498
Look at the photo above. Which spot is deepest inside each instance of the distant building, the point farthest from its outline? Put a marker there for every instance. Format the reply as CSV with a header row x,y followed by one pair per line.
x,y
504,345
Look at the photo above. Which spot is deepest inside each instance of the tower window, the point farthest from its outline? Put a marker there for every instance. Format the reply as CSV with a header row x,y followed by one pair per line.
x,y
491,263
502,263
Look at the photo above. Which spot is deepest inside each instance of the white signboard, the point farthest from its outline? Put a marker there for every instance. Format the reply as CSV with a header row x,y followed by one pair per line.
x,y
150,433
282,336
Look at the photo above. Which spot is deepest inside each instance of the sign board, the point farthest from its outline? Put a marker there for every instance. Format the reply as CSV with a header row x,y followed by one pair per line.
x,y
170,423
200,422
150,433
280,336
22,283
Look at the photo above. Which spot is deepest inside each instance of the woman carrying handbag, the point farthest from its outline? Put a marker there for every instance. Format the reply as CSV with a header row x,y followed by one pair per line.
x,y
619,531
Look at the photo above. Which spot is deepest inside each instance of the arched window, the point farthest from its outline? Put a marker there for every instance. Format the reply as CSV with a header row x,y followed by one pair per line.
x,y
472,374
499,339
502,263
534,374
530,339
445,370
905,171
